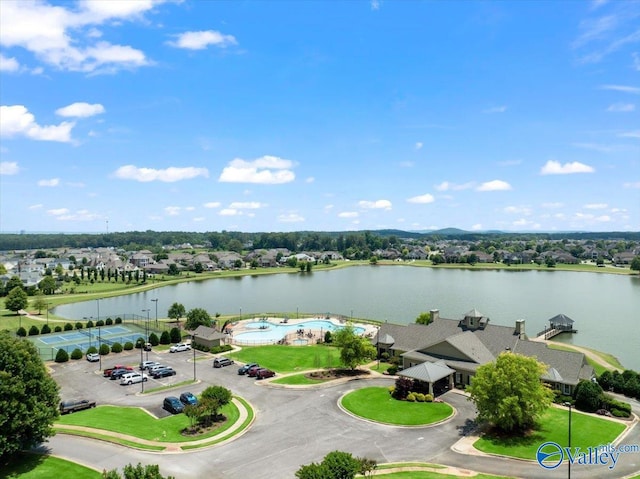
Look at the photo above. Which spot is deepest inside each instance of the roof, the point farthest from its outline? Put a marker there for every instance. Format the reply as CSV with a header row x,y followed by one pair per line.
x,y
428,372
562,320
209,334
474,313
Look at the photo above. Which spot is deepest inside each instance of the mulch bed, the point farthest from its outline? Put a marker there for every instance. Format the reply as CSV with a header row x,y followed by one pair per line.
x,y
329,374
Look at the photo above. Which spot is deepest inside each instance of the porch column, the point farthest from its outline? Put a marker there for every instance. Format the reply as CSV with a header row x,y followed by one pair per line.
x,y
451,381
431,388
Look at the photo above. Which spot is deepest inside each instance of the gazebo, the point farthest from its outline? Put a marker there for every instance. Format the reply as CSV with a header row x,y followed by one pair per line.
x,y
428,372
561,322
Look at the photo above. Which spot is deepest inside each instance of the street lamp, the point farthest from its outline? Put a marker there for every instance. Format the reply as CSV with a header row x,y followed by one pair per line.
x,y
240,314
48,313
146,332
142,372
568,404
99,355
156,301
193,346
98,301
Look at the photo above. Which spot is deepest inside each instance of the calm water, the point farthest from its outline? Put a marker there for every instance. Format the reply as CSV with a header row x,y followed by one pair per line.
x,y
605,308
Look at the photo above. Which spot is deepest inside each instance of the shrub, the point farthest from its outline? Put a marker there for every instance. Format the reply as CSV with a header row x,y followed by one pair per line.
x,y
92,350
153,339
395,360
100,322
128,346
384,356
327,337
176,335
62,356
76,354
403,387
21,332
428,398
45,329
221,349
419,397
588,396
68,327
118,320
34,331
79,325
201,347
57,329
411,397
392,390
116,348
392,370
89,324
619,413
109,322
104,349
139,343
165,338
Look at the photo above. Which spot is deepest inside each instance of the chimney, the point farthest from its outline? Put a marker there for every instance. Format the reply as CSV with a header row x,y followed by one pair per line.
x,y
520,328
435,314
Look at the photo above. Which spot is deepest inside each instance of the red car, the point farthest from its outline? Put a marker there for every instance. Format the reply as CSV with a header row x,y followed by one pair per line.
x,y
253,372
107,372
265,373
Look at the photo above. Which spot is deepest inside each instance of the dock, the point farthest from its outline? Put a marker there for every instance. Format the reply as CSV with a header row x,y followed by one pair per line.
x,y
557,325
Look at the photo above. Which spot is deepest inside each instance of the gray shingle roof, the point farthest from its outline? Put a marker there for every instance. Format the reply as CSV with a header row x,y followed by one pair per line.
x,y
561,320
428,372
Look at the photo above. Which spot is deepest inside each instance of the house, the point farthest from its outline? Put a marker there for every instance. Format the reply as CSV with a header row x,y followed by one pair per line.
x,y
208,337
466,344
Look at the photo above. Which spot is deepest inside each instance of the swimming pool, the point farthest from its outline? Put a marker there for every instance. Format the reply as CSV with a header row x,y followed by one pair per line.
x,y
265,332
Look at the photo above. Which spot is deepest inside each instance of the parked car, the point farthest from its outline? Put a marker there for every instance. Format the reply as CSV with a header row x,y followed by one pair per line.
x,y
93,357
147,346
253,372
153,369
67,407
107,372
132,378
118,373
147,364
242,370
222,362
173,405
265,373
179,347
188,399
163,373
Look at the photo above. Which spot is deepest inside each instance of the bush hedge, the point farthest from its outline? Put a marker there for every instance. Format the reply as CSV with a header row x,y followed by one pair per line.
x,y
79,325
76,353
62,356
45,329
165,338
21,332
68,326
116,348
128,346
34,331
57,329
104,349
92,350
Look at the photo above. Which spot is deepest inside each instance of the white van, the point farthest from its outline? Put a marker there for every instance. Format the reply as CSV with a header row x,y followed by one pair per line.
x,y
131,378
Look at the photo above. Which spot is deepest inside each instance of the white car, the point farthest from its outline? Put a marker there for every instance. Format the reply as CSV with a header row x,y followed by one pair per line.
x,y
148,364
133,378
179,347
93,357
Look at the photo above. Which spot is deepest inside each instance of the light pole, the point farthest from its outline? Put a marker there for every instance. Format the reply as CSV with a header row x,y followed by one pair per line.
x,y
568,404
146,332
240,314
98,301
142,372
193,346
156,301
48,313
99,355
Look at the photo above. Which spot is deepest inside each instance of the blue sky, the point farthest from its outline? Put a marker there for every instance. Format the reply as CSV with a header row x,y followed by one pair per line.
x,y
326,116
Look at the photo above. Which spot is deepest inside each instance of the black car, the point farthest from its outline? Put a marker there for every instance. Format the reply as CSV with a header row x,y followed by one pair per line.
x,y
118,373
163,373
67,407
188,399
173,405
245,369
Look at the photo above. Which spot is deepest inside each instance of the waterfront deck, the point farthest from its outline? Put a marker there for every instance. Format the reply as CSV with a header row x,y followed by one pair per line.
x,y
553,332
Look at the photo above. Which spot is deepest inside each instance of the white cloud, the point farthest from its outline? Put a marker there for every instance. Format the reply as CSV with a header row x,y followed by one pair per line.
x,y
51,182
265,170
552,167
375,205
80,110
247,205
36,206
311,179
522,222
636,61
375,4
622,88
172,210
189,208
348,214
290,218
202,39
229,212
168,175
419,145
476,227
8,64
519,210
198,219
621,107
446,186
63,37
58,211
422,199
494,185
16,120
630,134
596,206
496,109
635,184
212,204
9,168
63,214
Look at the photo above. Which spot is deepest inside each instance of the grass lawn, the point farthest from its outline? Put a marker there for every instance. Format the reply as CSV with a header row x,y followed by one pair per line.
x,y
609,358
553,426
429,475
298,380
289,359
135,422
376,404
35,466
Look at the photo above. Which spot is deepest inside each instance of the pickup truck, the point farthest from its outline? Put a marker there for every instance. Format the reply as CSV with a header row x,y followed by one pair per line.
x,y
67,407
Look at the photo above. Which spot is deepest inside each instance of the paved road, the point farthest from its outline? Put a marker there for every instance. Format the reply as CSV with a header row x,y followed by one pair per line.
x,y
294,427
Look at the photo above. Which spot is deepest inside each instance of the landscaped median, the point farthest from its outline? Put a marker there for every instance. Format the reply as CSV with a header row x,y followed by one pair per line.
x,y
376,404
134,427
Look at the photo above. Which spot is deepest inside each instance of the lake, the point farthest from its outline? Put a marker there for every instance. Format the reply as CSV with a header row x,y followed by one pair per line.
x,y
605,307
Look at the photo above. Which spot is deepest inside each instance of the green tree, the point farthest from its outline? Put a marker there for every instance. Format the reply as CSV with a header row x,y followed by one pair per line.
x,y
148,471
508,392
47,285
214,398
635,264
16,300
13,282
354,350
176,311
588,396
335,465
423,318
39,303
175,335
28,392
172,271
197,317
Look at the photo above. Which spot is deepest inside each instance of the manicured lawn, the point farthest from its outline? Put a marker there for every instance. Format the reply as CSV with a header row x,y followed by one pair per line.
x,y
376,404
35,466
288,359
136,422
553,426
429,475
298,380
